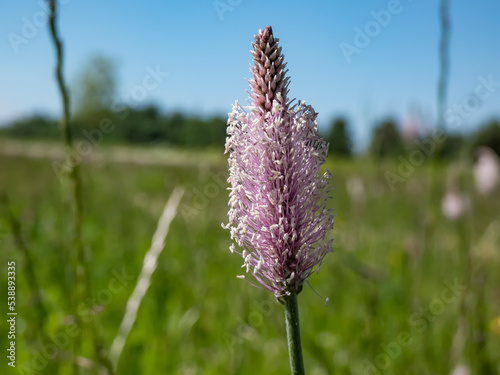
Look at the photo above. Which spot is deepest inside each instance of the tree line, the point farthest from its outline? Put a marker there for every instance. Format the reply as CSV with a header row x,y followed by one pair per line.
x,y
140,126
148,125
95,89
389,141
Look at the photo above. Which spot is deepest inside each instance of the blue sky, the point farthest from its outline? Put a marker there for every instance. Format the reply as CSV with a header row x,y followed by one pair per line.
x,y
206,54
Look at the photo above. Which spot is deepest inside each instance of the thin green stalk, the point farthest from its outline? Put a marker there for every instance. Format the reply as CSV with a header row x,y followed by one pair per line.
x,y
68,142
82,279
442,96
433,198
444,61
74,174
293,334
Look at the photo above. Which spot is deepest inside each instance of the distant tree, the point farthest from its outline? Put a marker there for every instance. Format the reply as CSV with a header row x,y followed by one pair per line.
x,y
142,125
202,133
95,88
386,140
488,135
174,126
37,126
339,138
451,147
216,132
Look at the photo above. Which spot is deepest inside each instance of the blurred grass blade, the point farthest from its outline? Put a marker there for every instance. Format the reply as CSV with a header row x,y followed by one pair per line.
x,y
143,282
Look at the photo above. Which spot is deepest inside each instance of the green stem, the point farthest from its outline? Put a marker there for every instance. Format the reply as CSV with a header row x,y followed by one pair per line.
x,y
293,334
74,173
82,277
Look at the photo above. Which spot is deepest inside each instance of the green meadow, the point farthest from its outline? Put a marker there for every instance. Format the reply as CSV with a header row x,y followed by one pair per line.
x,y
410,292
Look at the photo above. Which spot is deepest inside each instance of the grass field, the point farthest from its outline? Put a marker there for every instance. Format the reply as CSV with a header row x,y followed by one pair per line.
x,y
401,281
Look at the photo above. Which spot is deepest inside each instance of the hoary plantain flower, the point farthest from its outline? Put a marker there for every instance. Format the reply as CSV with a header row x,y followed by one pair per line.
x,y
278,216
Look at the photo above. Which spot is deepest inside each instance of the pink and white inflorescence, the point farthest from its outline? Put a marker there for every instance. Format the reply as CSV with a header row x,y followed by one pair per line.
x,y
278,216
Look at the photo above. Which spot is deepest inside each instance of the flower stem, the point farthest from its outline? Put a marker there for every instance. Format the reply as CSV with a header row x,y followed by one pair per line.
x,y
293,334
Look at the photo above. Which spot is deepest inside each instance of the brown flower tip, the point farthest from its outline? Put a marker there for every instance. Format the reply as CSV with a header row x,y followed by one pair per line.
x,y
269,74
